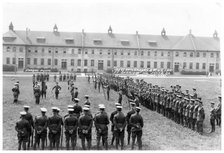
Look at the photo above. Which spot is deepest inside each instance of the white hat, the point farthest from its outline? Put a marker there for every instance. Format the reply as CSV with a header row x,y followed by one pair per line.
x,y
26,106
86,95
88,106
119,106
70,110
43,109
58,109
23,113
138,108
16,83
101,106
54,108
76,99
132,103
70,106
85,108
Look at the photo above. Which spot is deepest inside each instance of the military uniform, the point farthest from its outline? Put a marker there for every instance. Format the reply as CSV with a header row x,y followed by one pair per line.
x,y
128,116
77,110
29,118
112,125
212,117
16,93
200,119
37,94
57,89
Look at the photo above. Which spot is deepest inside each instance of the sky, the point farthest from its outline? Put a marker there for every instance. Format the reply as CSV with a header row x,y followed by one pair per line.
x,y
147,17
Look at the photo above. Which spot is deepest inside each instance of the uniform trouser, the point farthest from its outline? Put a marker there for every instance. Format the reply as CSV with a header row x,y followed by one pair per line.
x,y
104,135
119,135
56,95
212,122
108,95
193,123
158,107
72,137
200,127
43,94
22,140
190,122
137,134
37,99
86,137
54,138
42,136
15,98
129,133
218,120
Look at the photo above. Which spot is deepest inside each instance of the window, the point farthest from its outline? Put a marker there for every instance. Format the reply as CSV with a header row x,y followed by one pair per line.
x,y
217,55
28,61
20,49
100,52
155,65
29,50
36,50
148,53
185,54
56,51
184,65
7,60
49,61
197,66
217,66
79,51
63,63
212,55
79,62
168,65
129,53
13,60
168,54
108,63
42,50
108,52
161,53
191,54
122,52
42,61
55,61
85,62
8,49
128,64
121,63
136,53
115,63
35,61
73,51
142,64
78,70
204,54
148,64
162,65
203,66
14,49
86,51
92,62
198,54
64,51
49,50
191,66
115,53
92,51
72,62
135,63
142,53
155,53
177,54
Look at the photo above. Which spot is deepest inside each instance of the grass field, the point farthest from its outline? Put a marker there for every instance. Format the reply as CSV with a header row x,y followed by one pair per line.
x,y
159,133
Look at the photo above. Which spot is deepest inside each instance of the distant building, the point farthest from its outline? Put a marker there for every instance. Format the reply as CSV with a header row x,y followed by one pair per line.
x,y
81,51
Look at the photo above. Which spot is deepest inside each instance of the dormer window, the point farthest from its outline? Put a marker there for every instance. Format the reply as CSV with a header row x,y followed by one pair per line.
x,y
125,42
152,43
97,42
41,39
69,40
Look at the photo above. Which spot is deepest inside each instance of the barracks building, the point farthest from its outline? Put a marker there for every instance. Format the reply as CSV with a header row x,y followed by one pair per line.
x,y
87,52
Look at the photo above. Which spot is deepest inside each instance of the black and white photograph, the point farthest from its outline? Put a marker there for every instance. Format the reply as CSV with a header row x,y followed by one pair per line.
x,y
111,75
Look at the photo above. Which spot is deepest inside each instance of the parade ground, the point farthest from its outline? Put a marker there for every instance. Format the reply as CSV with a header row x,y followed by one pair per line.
x,y
159,133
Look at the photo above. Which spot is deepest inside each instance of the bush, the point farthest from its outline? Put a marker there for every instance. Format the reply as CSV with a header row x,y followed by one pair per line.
x,y
9,68
193,72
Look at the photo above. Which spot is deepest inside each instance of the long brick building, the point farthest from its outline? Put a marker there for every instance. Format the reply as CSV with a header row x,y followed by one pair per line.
x,y
81,51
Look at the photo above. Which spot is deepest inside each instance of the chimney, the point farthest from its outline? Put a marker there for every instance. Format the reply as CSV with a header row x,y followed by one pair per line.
x,y
163,32
11,27
110,30
55,29
215,34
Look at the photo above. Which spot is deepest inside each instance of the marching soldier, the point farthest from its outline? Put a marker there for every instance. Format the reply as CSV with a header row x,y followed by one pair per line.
x,y
119,126
71,124
29,118
200,118
85,124
77,108
218,112
112,123
195,96
44,90
101,121
57,89
136,122
87,102
37,93
128,116
75,93
40,126
212,117
107,87
16,93
54,126
120,97
22,128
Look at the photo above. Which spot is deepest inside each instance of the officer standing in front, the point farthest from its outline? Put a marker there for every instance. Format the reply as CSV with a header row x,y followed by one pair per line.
x,y
57,89
128,116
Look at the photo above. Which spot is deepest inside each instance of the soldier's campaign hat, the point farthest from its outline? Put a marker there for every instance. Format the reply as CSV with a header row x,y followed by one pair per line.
x,y
58,109
54,108
85,108
119,106
43,109
70,110
76,99
23,113
138,108
26,106
88,106
16,83
86,96
70,106
101,106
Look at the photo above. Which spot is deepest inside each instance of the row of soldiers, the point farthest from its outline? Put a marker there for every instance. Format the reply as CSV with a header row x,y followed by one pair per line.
x,y
79,121
66,77
41,77
183,108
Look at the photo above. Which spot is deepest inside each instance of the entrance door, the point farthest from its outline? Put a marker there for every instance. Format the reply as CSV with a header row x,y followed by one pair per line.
x,y
100,64
64,64
20,64
176,67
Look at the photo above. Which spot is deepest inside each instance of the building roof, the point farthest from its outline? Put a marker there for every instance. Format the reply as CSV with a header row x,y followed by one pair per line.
x,y
111,40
